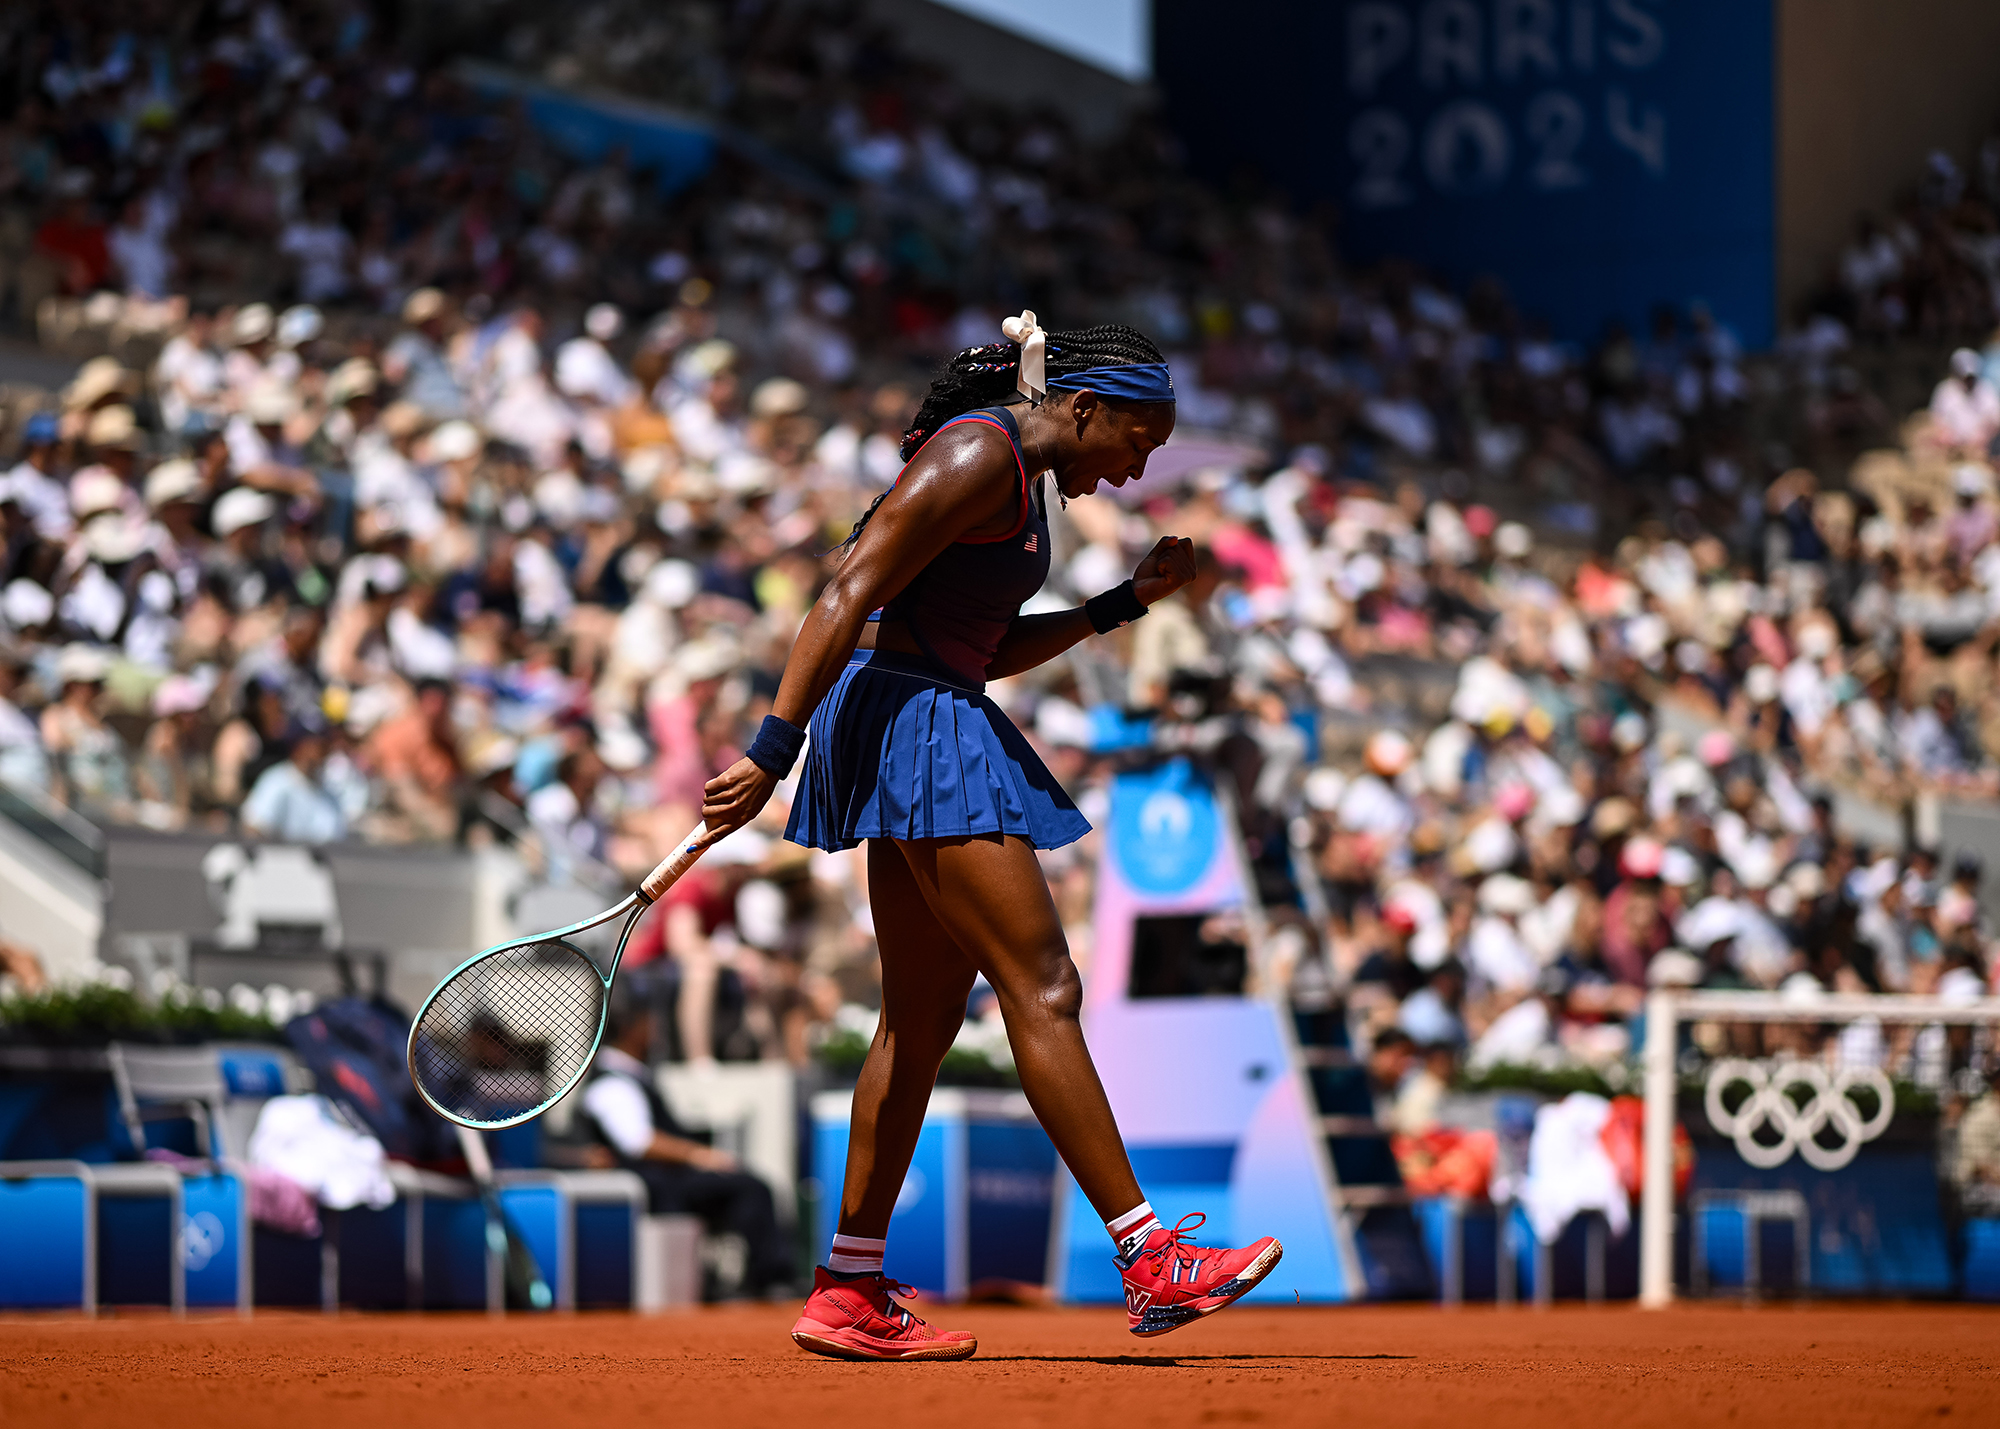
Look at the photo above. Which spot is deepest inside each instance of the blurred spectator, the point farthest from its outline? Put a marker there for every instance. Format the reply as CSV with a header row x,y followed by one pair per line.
x,y
1977,1170
1965,408
623,1108
289,803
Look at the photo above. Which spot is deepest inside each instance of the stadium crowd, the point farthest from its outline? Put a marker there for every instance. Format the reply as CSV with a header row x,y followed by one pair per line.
x,y
445,487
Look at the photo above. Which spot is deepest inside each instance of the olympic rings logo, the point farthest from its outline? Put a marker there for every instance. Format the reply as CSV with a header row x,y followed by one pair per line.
x,y
1798,1125
202,1239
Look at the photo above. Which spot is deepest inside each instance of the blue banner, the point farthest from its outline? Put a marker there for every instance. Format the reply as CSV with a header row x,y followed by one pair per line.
x,y
1599,156
678,150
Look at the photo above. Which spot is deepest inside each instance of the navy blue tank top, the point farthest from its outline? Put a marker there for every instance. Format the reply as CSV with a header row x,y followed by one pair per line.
x,y
960,605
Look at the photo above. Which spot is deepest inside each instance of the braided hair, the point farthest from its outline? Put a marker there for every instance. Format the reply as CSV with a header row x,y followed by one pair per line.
x,y
985,377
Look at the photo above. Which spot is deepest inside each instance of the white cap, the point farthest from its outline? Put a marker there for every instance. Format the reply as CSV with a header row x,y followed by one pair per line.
x,y
113,427
671,584
604,321
171,481
299,325
706,659
238,507
1678,867
270,403
1964,363
1323,788
253,324
1388,752
82,664
1709,922
95,489
1560,807
1513,540
423,305
25,605
1506,894
747,474
112,538
455,441
778,397
1674,967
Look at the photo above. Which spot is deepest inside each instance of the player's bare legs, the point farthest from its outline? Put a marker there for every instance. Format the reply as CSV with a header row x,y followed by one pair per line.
x,y
944,907
926,979
988,895
852,1312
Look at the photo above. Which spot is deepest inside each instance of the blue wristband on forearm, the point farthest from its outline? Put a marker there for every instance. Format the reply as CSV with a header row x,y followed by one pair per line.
x,y
776,748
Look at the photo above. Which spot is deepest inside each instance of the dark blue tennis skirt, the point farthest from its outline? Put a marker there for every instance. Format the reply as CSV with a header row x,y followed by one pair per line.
x,y
901,750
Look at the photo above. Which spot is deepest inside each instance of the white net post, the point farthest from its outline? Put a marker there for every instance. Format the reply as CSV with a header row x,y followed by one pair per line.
x,y
1667,1010
1656,1205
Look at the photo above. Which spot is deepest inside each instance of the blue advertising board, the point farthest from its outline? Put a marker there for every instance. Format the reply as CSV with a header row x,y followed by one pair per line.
x,y
974,1207
215,1240
1598,156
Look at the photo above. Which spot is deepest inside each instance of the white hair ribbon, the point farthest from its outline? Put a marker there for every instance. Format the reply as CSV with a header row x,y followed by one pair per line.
x,y
1032,381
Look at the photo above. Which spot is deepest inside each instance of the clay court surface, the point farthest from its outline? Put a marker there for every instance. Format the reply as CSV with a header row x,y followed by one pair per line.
x,y
735,1369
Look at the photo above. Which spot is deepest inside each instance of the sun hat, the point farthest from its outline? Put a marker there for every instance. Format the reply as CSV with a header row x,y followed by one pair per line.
x,y
238,507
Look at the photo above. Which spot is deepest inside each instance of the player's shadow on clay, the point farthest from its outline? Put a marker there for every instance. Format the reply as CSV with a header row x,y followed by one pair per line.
x,y
1165,1361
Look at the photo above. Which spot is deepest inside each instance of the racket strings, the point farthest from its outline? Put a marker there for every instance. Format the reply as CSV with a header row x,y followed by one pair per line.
x,y
508,1033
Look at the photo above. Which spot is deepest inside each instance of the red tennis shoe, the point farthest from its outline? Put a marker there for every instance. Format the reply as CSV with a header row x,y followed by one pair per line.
x,y
1169,1283
855,1319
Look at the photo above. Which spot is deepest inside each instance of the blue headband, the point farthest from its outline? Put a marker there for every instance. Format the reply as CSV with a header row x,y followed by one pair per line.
x,y
1129,381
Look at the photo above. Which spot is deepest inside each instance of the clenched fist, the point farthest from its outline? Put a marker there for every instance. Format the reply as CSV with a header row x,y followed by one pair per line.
x,y
1166,568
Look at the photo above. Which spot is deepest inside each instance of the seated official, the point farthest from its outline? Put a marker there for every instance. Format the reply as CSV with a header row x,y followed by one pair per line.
x,y
623,1109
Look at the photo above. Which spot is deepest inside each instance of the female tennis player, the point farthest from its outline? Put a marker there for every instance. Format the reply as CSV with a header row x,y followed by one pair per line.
x,y
909,754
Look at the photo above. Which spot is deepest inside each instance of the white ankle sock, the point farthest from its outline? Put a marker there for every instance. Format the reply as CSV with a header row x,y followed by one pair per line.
x,y
1131,1229
856,1255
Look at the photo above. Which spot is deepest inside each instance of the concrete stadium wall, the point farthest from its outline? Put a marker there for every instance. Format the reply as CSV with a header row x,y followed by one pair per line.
x,y
49,905
1866,90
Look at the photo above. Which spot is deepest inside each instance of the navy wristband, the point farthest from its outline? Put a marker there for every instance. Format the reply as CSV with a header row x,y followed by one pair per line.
x,y
776,748
1118,606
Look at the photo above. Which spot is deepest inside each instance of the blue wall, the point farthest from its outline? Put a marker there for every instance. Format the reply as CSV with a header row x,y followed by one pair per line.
x,y
1599,156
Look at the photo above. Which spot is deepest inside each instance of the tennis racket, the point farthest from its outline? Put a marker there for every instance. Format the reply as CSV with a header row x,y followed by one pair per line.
x,y
511,1031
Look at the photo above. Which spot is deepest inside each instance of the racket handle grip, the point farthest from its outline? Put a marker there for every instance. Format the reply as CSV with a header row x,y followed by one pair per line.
x,y
674,865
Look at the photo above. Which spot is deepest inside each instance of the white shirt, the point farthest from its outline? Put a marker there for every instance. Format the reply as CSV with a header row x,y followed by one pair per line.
x,y
1965,419
286,805
585,369
45,499
616,1101
143,258
189,376
321,250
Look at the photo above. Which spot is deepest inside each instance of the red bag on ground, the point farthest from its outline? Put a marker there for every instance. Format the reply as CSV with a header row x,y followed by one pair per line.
x,y
1446,1161
1624,1139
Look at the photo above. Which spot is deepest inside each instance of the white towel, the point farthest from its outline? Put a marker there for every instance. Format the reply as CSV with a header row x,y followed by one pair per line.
x,y
305,1139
